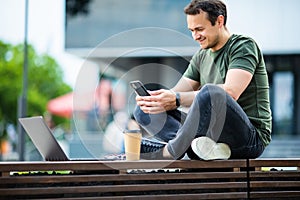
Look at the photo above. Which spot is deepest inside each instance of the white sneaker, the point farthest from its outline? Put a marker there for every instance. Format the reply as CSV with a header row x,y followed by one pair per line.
x,y
207,149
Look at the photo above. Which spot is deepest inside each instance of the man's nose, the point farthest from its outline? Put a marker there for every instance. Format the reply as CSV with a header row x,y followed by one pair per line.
x,y
195,35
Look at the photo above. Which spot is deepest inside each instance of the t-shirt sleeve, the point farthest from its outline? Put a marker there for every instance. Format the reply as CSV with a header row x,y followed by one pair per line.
x,y
245,56
192,71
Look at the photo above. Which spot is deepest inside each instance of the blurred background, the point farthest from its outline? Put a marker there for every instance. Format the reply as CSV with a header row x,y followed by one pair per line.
x,y
71,60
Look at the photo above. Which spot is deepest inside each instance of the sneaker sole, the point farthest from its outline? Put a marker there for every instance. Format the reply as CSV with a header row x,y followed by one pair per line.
x,y
207,149
151,144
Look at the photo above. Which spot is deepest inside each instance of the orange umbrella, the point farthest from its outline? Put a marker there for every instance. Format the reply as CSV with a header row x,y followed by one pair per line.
x,y
61,106
103,98
64,105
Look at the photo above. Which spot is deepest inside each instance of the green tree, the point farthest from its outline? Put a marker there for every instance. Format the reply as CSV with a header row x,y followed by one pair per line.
x,y
45,81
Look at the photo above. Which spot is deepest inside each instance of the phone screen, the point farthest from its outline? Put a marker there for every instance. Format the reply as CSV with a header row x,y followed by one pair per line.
x,y
139,88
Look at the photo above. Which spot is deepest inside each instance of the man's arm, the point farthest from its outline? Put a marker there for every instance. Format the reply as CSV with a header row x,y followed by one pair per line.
x,y
237,80
187,89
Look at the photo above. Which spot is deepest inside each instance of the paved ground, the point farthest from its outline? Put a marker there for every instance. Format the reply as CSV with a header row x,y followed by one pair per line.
x,y
285,147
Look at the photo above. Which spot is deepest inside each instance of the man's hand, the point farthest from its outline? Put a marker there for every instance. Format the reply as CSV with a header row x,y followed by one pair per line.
x,y
160,101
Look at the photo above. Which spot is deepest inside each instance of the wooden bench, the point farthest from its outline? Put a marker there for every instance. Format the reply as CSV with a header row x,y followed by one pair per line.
x,y
184,179
274,178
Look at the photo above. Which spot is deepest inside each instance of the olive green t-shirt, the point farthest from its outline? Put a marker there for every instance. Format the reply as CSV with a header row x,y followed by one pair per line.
x,y
239,52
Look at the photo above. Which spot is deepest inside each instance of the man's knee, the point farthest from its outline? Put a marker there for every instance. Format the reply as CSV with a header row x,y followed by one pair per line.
x,y
209,91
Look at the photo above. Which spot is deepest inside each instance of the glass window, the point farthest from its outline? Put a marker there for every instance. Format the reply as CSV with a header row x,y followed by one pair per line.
x,y
90,22
283,83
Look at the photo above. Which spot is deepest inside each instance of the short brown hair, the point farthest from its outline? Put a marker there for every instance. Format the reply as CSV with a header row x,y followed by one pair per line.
x,y
213,8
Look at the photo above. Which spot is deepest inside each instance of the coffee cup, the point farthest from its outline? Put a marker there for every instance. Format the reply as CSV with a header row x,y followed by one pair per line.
x,y
132,143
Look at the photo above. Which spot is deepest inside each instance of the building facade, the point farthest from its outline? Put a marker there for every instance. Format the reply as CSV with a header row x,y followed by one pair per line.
x,y
148,40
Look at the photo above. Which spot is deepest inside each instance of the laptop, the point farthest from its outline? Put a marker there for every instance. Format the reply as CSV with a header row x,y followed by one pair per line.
x,y
44,140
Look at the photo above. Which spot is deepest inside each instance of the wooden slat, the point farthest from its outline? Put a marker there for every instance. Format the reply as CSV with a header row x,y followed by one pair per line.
x,y
275,162
274,174
273,184
119,165
271,175
120,188
275,194
231,195
120,177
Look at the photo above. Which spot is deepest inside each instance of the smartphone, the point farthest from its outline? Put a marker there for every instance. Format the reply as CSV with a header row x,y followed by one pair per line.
x,y
139,88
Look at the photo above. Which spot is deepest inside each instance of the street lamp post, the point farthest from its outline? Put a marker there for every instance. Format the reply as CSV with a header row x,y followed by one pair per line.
x,y
22,102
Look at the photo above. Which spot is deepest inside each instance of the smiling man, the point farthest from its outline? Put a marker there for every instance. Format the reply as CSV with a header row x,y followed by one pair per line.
x,y
226,89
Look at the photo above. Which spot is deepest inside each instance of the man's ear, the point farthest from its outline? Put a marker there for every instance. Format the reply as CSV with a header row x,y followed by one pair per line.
x,y
220,20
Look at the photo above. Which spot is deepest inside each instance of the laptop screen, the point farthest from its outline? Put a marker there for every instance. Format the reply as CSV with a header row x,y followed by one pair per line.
x,y
43,138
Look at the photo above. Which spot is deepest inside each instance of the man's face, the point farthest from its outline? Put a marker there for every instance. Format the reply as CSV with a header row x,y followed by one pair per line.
x,y
203,32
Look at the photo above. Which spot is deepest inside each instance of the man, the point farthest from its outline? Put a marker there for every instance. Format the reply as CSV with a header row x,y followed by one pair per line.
x,y
226,88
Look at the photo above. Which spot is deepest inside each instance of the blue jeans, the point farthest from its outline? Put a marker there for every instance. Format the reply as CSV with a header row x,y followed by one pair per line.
x,y
214,114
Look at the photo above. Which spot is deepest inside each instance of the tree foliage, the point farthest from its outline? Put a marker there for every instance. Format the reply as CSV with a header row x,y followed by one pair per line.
x,y
45,81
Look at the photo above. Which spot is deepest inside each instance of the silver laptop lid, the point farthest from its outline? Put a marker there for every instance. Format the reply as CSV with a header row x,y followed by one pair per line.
x,y
43,139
